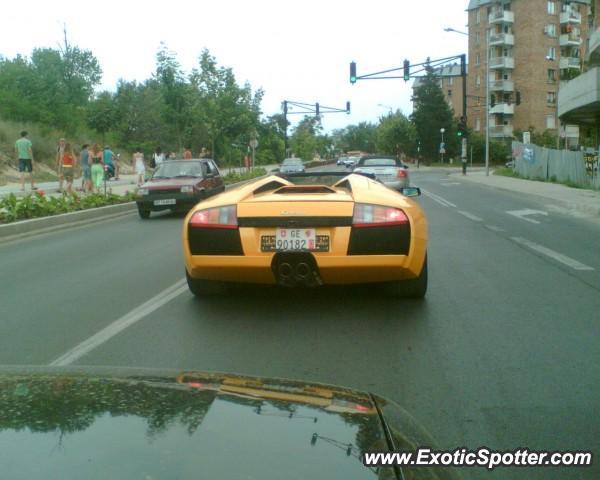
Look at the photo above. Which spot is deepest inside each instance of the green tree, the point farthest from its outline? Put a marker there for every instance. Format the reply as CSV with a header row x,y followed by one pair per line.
x,y
432,113
304,141
102,113
361,137
396,133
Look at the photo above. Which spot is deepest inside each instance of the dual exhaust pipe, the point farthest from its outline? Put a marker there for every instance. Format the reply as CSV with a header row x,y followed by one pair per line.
x,y
301,273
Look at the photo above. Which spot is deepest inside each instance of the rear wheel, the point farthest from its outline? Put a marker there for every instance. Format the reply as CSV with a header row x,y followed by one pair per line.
x,y
144,213
203,288
414,288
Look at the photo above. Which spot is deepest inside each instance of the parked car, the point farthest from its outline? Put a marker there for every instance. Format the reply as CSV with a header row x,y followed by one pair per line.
x,y
292,165
388,170
179,185
349,162
340,161
277,230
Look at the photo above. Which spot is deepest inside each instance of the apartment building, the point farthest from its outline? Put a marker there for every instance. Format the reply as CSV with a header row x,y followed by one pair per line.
x,y
451,83
533,46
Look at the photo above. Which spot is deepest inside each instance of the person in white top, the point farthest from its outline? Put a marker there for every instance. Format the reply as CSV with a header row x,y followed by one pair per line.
x,y
158,157
140,167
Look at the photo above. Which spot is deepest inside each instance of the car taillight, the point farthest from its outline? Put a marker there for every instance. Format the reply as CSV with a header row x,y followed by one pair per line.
x,y
377,216
401,173
223,217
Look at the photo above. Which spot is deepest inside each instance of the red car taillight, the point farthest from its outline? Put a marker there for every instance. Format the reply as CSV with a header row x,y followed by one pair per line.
x,y
223,217
401,173
377,216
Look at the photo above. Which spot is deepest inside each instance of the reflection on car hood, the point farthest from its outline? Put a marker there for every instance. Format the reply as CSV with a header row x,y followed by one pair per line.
x,y
174,182
85,425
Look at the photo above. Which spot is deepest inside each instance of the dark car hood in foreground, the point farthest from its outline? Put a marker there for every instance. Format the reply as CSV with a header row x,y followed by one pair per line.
x,y
90,424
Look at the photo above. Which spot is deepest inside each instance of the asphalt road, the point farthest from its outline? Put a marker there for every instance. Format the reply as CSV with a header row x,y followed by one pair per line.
x,y
504,352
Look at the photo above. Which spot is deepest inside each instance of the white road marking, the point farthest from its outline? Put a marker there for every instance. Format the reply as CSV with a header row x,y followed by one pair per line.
x,y
522,214
494,228
449,184
470,216
559,257
438,199
121,324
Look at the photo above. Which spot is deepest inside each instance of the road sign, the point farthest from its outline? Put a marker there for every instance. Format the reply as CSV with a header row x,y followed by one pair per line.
x,y
254,143
442,150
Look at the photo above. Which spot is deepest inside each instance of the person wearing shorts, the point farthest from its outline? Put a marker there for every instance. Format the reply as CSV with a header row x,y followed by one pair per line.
x,y
24,152
68,165
86,169
97,169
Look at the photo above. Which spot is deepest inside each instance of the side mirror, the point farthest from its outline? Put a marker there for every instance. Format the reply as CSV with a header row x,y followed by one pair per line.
x,y
411,191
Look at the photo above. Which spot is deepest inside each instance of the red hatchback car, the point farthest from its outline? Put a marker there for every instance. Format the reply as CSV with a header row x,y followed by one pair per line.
x,y
179,185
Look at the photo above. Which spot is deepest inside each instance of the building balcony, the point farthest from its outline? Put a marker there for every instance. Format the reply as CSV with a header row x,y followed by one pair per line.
x,y
570,40
593,55
500,39
570,62
579,99
502,86
502,109
501,16
500,131
502,63
570,17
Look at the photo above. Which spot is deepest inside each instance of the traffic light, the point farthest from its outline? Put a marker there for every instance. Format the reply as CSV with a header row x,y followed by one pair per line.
x,y
317,108
352,72
348,108
462,130
406,70
518,102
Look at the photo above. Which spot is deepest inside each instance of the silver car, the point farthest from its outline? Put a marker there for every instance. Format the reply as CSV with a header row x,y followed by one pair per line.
x,y
292,165
388,170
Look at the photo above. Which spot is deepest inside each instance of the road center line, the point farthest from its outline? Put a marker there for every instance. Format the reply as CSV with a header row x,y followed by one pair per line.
x,y
121,324
438,199
470,216
494,228
559,257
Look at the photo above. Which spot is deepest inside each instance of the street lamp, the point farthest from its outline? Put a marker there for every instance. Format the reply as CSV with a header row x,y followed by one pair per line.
x,y
442,130
385,106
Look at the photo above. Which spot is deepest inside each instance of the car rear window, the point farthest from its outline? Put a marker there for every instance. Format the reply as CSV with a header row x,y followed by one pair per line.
x,y
292,161
379,162
170,169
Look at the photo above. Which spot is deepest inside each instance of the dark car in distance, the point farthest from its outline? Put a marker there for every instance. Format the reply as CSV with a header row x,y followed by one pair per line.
x,y
179,185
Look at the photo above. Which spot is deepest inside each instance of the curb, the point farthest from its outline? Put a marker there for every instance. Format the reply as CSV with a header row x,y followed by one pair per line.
x,y
34,226
579,207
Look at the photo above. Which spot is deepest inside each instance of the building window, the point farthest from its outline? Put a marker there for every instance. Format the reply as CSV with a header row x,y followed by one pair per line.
x,y
551,53
451,81
477,59
550,122
550,30
551,8
449,93
551,75
478,17
478,81
477,37
551,98
478,124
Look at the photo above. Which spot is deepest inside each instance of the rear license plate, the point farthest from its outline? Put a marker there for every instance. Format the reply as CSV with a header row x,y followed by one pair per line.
x,y
166,201
268,243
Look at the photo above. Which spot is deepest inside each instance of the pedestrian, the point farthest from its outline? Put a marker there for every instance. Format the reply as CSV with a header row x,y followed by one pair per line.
x,y
140,168
68,166
158,157
60,153
187,153
172,156
24,153
97,170
117,161
107,157
86,169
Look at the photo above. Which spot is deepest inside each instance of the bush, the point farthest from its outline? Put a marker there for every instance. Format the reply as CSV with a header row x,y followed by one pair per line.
x,y
235,177
37,205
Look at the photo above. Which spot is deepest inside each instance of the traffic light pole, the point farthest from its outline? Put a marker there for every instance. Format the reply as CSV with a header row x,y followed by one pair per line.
x,y
426,67
307,109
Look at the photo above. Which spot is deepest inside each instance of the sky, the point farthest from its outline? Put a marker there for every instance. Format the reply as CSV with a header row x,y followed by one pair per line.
x,y
297,51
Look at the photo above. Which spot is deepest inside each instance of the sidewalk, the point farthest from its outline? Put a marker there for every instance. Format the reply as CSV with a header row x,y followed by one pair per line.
x,y
583,201
126,182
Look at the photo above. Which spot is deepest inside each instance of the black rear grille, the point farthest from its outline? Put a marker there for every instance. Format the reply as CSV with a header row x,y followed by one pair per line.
x,y
214,241
391,240
295,222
